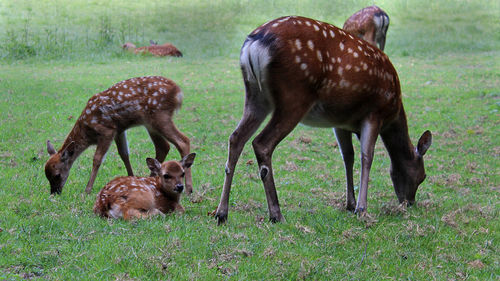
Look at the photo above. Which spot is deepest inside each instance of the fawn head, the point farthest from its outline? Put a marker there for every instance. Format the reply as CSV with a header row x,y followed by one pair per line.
x,y
171,173
128,46
58,166
409,175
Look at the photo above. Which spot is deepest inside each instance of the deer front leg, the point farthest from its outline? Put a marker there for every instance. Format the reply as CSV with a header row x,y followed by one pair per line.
x,y
344,138
252,118
102,147
368,137
122,146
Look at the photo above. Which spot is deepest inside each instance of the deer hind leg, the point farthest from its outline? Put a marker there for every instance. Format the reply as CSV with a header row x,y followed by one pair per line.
x,y
253,115
166,128
344,138
100,152
368,137
122,146
283,121
161,146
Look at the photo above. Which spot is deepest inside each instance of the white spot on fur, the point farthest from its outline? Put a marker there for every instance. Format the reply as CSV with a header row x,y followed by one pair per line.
x,y
320,57
332,34
341,46
303,66
297,59
298,44
316,27
310,44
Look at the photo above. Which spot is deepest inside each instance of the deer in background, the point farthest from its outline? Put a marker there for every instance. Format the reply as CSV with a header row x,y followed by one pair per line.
x,y
135,197
370,24
149,101
163,50
301,70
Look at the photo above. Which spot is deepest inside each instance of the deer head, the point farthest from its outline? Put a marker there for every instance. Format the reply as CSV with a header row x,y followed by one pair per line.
x,y
58,166
171,173
407,176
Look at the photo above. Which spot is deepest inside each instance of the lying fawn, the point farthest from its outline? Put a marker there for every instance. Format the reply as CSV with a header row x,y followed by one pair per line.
x,y
135,197
301,70
149,101
162,50
370,24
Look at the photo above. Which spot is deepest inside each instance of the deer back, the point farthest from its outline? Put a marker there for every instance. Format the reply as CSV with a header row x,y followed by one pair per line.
x,y
131,102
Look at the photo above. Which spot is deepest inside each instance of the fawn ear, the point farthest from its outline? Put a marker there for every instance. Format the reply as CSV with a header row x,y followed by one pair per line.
x,y
188,160
68,151
152,43
153,165
50,148
424,143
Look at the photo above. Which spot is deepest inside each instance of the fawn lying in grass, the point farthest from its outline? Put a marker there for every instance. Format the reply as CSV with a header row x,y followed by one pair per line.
x,y
137,197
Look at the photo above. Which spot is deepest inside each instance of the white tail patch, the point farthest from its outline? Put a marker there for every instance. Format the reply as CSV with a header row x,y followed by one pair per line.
x,y
254,59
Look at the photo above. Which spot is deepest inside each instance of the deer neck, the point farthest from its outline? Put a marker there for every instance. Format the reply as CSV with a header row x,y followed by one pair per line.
x,y
397,141
78,137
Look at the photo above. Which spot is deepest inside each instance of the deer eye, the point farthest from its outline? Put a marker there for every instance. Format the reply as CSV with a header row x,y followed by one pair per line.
x,y
182,174
167,176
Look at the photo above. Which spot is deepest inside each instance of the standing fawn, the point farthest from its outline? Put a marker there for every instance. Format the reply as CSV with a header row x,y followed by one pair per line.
x,y
163,50
135,197
149,101
370,24
307,71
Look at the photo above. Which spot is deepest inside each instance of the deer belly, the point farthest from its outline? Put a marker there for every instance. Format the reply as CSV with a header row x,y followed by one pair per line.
x,y
319,116
328,116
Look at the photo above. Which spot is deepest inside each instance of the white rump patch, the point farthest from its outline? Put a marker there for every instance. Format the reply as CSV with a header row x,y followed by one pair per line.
x,y
257,55
115,212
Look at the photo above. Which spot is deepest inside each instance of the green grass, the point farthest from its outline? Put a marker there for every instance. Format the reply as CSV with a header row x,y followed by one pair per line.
x,y
447,56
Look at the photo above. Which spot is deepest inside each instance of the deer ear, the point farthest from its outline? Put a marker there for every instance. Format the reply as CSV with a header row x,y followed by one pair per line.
x,y
424,143
68,151
153,165
188,160
152,43
50,148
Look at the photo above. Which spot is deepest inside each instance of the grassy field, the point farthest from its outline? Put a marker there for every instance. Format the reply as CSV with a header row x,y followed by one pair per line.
x,y
55,55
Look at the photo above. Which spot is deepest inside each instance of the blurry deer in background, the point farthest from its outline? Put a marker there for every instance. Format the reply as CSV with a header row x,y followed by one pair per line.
x,y
148,101
370,24
135,197
163,50
301,70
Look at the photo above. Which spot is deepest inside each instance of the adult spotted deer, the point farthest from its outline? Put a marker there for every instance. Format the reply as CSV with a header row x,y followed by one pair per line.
x,y
371,24
149,101
135,197
162,50
303,70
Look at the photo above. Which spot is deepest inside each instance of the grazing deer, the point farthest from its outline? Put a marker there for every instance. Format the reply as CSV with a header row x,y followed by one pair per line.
x,y
303,70
135,197
149,101
370,24
163,50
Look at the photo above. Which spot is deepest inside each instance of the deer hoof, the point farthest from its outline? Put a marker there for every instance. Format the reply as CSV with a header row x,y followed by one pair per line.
x,y
350,207
276,219
221,218
360,211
